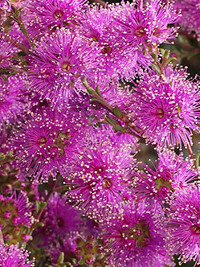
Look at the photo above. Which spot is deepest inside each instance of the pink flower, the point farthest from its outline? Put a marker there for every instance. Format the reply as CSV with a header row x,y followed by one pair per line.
x,y
166,108
14,256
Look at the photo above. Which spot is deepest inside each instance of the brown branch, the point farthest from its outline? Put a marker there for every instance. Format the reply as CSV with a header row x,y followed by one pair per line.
x,y
190,151
1,238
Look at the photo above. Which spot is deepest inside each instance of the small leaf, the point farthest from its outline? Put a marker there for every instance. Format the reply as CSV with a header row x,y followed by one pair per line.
x,y
61,258
39,224
23,29
37,205
97,90
154,56
111,121
10,153
81,262
119,128
97,100
2,156
166,54
156,68
168,61
117,112
162,51
43,204
4,78
90,90
40,205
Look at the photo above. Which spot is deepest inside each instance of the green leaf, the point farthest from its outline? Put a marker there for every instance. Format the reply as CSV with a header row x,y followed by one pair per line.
x,y
156,68
111,121
61,258
117,112
2,156
4,78
162,51
119,128
154,56
39,224
23,29
166,54
168,61
10,153
81,262
97,90
40,205
97,100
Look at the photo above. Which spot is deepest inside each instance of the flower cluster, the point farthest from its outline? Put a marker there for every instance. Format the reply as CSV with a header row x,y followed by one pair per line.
x,y
87,91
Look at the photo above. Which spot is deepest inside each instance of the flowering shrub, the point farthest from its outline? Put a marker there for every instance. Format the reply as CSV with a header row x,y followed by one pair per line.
x,y
99,122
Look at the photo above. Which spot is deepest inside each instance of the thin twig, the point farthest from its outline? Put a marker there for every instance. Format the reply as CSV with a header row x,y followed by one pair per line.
x,y
190,151
1,238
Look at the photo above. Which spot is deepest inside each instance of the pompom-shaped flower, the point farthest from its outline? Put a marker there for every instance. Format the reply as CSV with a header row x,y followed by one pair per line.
x,y
171,173
114,59
184,224
145,24
166,108
59,219
13,256
12,98
61,62
41,16
61,222
99,177
46,142
134,240
190,19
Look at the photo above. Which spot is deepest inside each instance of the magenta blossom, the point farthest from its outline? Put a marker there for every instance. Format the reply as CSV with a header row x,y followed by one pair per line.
x,y
15,217
60,217
100,176
183,219
13,256
42,17
60,220
146,25
190,19
62,61
134,240
13,98
166,109
46,142
114,60
171,173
